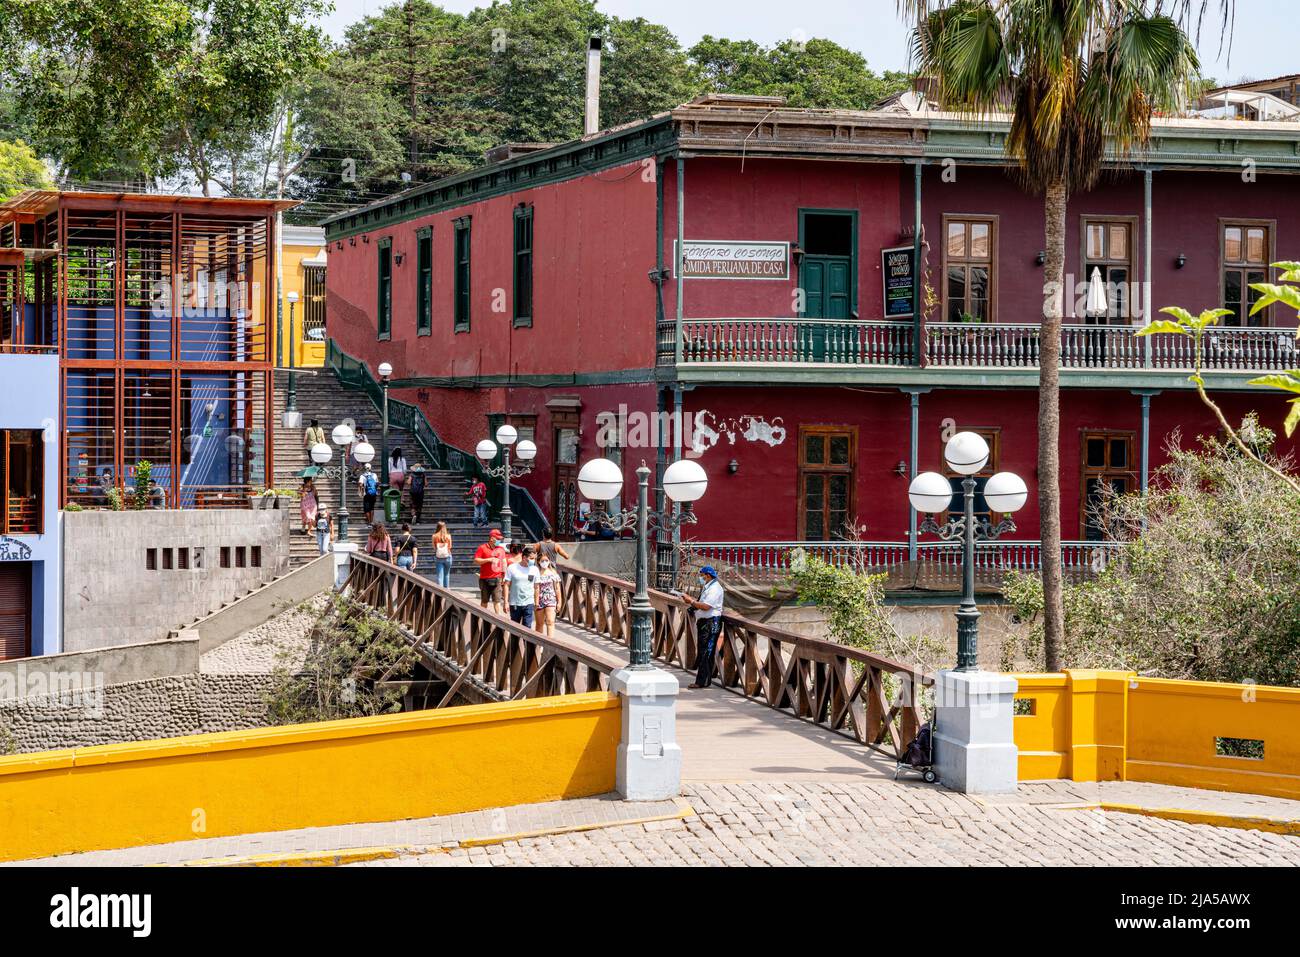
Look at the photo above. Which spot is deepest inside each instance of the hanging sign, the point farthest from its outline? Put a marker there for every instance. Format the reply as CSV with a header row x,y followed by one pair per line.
x,y
12,550
898,277
703,259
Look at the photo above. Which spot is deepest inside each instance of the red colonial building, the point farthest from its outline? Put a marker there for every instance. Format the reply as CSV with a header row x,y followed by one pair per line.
x,y
813,371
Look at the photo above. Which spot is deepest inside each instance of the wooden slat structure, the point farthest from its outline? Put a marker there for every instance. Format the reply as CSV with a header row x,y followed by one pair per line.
x,y
486,657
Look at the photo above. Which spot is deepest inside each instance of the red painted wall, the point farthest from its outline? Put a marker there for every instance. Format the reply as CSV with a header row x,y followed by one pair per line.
x,y
595,233
1186,209
760,501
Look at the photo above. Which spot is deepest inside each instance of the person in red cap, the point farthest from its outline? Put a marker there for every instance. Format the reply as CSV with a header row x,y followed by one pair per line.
x,y
490,558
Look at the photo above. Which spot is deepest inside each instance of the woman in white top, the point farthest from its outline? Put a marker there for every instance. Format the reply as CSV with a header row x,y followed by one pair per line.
x,y
397,469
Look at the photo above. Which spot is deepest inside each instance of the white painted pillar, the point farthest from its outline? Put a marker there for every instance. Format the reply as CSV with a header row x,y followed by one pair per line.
x,y
342,552
974,742
649,757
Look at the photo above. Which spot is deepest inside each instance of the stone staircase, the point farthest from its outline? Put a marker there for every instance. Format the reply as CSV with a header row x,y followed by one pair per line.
x,y
322,396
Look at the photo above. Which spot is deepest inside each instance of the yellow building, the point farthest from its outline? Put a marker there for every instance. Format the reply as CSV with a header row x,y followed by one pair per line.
x,y
302,301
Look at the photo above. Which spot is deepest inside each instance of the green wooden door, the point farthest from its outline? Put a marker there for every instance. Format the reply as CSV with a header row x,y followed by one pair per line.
x,y
828,292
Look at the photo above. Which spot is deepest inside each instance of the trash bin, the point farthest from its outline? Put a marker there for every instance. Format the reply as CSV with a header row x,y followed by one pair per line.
x,y
392,505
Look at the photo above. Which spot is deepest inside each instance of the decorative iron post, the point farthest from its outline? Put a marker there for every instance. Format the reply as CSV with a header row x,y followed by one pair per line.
x,y
968,614
642,613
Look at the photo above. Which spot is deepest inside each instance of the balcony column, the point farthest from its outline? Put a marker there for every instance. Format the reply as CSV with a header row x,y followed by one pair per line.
x,y
1146,276
914,394
1145,459
918,276
679,256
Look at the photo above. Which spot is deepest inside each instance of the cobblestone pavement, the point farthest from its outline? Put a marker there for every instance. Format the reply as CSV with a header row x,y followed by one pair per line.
x,y
815,823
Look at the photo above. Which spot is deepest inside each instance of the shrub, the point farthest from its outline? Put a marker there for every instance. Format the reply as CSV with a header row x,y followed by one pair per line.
x,y
1207,583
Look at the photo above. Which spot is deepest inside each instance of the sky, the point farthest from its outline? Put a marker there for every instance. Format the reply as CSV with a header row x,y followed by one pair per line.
x,y
1264,39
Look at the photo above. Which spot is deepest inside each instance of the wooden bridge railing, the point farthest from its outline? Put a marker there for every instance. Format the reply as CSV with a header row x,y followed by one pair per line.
x,y
840,688
483,656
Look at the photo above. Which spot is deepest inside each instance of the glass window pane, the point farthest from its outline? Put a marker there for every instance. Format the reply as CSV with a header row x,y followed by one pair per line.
x,y
1232,287
814,527
956,239
956,292
814,449
980,247
1119,242
1096,241
1255,245
839,450
1096,453
839,493
1119,453
1232,243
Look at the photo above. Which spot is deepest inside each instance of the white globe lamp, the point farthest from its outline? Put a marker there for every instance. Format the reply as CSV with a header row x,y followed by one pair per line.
x,y
685,481
966,453
486,450
930,492
321,453
507,434
364,453
526,450
600,480
1005,492
385,370
342,434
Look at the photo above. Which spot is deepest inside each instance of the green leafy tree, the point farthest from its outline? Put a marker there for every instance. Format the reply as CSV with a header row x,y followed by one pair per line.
x,y
1078,74
1206,581
1286,292
20,169
815,73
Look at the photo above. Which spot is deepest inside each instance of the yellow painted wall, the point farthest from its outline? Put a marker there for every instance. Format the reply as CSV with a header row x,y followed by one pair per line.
x,y
313,775
306,354
1113,725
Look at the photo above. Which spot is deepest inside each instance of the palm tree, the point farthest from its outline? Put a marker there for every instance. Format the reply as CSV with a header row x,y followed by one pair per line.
x,y
1078,76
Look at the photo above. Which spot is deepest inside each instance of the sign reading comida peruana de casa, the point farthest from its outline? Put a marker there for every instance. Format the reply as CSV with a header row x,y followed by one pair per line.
x,y
703,259
12,550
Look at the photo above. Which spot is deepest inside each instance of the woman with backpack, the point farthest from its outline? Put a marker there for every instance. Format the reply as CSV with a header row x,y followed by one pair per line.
x,y
442,556
417,492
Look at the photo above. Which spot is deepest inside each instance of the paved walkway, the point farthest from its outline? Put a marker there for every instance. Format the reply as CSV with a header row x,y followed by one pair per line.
x,y
879,823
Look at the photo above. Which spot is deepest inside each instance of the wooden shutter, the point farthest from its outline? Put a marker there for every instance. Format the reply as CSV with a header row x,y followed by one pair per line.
x,y
15,610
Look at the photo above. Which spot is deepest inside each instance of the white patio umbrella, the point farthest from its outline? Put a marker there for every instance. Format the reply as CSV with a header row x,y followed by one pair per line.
x,y
1097,305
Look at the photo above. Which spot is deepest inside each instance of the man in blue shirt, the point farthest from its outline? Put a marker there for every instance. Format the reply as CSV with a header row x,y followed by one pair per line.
x,y
708,624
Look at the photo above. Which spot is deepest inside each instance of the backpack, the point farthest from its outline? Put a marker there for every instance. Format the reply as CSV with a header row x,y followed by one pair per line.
x,y
920,753
417,482
372,484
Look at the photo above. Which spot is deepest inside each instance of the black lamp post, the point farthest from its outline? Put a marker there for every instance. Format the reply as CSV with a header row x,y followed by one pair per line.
x,y
684,482
526,450
321,453
966,454
291,397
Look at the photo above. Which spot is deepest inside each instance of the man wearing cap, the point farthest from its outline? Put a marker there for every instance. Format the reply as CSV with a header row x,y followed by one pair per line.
x,y
490,558
708,624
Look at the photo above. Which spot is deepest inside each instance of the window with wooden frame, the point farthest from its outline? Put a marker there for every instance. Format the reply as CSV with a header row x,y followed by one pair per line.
x,y
313,302
828,457
993,436
22,478
1108,249
424,281
523,297
1245,250
970,249
461,278
384,310
1107,468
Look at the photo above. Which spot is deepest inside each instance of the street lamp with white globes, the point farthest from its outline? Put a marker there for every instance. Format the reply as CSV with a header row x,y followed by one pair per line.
x,y
321,454
525,451
930,493
385,372
684,482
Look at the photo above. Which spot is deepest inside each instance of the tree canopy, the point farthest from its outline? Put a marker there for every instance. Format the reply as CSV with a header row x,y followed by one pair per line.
x,y
21,169
247,96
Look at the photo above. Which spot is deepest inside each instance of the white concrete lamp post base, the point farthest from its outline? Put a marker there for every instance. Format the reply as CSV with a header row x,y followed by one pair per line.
x,y
974,744
649,758
342,552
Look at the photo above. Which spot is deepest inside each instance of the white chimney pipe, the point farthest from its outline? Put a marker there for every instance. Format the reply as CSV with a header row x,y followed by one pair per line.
x,y
591,115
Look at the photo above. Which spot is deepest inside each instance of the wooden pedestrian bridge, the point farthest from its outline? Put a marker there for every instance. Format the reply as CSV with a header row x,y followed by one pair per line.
x,y
781,706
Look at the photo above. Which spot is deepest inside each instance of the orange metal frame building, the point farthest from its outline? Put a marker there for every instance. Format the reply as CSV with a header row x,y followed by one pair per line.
x,y
161,309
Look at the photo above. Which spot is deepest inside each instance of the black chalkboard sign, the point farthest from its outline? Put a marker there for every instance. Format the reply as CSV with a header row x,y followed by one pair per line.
x,y
898,276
